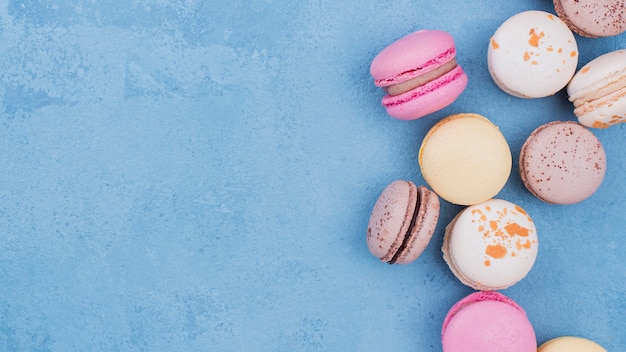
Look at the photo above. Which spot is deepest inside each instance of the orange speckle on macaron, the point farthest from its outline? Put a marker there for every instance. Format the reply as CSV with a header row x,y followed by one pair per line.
x,y
519,245
600,124
494,44
573,54
487,262
534,37
551,17
585,70
526,56
515,229
496,251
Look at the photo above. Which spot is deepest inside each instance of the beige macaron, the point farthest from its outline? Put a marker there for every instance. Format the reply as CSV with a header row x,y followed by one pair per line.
x,y
465,159
570,344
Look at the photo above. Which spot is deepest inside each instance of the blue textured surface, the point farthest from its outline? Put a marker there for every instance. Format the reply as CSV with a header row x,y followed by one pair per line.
x,y
198,176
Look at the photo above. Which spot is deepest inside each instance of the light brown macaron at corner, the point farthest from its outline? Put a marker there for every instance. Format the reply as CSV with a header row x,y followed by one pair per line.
x,y
593,18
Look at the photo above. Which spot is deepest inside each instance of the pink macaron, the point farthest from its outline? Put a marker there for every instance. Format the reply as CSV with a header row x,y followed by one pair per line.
x,y
402,222
487,322
419,73
562,162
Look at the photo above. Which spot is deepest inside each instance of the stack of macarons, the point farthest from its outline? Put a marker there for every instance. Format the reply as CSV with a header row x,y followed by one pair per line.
x,y
492,243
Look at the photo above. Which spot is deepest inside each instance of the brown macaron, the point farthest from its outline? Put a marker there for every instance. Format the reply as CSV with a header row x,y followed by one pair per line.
x,y
402,222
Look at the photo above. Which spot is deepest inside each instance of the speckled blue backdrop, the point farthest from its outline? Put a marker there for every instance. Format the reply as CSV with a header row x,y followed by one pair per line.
x,y
198,175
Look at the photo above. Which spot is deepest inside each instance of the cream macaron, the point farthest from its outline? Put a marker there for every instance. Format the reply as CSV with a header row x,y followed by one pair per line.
x,y
598,91
491,246
570,344
465,159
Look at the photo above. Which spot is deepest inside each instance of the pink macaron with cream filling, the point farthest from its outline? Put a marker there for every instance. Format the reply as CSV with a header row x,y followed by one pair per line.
x,y
487,322
419,73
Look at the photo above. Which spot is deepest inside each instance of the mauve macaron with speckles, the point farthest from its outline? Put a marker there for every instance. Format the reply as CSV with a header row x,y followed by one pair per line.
x,y
593,18
562,162
402,222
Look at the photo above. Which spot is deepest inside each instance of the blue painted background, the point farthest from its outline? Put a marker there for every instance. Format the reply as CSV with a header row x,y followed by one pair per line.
x,y
198,176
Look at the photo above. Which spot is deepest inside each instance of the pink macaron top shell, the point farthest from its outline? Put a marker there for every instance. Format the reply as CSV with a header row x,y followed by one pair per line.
x,y
411,56
487,322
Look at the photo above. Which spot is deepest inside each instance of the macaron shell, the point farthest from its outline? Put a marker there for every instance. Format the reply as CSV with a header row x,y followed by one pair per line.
x,y
465,159
491,246
562,162
487,323
424,226
411,56
570,344
533,54
391,218
593,18
598,91
478,297
605,112
428,98
597,74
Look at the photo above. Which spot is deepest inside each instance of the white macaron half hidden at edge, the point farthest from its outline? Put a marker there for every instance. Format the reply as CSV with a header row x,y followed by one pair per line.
x,y
598,91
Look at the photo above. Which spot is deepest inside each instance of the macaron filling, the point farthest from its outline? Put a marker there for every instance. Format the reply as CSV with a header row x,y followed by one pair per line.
x,y
448,77
614,87
408,236
420,80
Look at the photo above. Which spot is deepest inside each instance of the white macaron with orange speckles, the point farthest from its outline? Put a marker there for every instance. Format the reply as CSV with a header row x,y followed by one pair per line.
x,y
533,54
491,246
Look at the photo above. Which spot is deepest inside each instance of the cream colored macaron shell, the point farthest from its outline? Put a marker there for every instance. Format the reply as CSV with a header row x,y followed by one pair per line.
x,y
598,91
532,55
491,246
570,344
465,159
